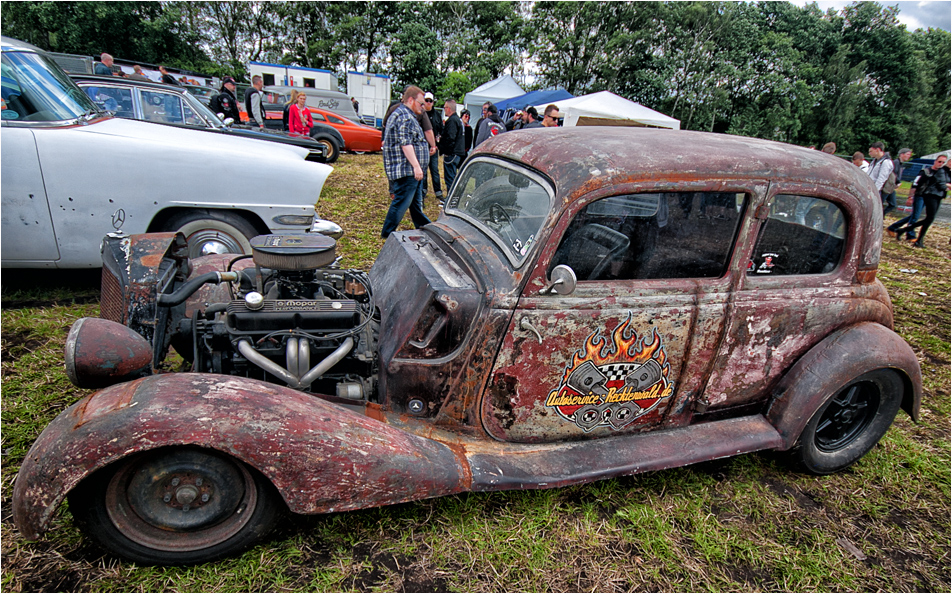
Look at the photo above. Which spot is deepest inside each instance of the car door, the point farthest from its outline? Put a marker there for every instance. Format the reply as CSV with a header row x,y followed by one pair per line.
x,y
798,288
636,337
26,226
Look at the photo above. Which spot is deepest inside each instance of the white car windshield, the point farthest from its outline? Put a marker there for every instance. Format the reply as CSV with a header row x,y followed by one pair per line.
x,y
35,89
510,204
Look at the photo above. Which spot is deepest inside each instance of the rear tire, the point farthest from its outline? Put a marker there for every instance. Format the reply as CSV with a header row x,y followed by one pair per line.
x,y
331,146
213,232
849,423
176,506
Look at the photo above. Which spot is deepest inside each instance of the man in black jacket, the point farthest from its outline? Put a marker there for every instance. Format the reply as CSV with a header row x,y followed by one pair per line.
x,y
434,167
452,143
225,101
932,185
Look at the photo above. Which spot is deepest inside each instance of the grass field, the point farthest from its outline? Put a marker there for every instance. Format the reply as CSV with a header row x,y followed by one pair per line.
x,y
741,524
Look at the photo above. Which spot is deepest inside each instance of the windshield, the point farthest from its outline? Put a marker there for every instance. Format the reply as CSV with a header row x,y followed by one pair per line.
x,y
510,204
35,89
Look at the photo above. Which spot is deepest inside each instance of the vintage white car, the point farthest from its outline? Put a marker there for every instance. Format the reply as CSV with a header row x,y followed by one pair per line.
x,y
71,174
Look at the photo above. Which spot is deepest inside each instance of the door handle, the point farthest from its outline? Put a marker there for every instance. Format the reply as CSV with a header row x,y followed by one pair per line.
x,y
525,324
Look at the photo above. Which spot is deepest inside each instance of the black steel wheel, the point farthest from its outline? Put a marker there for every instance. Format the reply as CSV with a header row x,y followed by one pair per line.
x,y
176,506
850,422
330,145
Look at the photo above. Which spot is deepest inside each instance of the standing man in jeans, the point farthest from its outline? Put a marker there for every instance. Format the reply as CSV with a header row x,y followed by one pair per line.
x,y
452,143
405,149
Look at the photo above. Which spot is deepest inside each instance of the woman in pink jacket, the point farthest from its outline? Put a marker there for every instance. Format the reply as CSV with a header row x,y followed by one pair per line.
x,y
299,117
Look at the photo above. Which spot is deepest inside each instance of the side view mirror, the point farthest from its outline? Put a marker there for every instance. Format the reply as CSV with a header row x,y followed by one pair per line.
x,y
226,121
328,228
562,281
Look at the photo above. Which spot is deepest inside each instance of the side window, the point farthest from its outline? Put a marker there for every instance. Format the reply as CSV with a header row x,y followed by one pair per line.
x,y
653,236
161,107
118,101
802,235
335,120
192,118
318,117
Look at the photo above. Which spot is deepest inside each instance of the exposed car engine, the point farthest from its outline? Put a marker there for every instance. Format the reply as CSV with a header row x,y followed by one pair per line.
x,y
284,314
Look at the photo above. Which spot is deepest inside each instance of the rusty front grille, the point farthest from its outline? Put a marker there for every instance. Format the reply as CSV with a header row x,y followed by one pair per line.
x,y
110,297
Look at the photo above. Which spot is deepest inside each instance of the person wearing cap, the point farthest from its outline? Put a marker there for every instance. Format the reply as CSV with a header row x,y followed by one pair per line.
x,y
532,119
516,122
434,166
225,102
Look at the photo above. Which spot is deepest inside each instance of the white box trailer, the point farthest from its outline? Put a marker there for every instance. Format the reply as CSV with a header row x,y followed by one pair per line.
x,y
293,76
372,92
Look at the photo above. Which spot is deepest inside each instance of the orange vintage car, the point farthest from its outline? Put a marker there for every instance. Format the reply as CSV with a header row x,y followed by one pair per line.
x,y
357,137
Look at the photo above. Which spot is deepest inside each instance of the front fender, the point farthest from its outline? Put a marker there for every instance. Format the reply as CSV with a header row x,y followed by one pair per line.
x,y
321,457
846,354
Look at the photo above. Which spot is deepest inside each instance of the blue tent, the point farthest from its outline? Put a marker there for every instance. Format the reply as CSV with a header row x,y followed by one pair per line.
x,y
533,98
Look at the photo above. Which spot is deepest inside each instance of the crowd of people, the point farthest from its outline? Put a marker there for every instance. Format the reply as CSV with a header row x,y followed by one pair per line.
x,y
930,186
414,142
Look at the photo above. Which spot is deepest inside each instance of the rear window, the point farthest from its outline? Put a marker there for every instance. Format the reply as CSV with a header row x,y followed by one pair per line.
x,y
802,235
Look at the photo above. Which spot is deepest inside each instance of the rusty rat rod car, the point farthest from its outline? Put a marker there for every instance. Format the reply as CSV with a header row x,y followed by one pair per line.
x,y
593,302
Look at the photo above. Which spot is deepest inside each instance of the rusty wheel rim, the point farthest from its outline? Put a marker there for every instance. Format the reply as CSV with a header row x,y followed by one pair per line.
x,y
181,500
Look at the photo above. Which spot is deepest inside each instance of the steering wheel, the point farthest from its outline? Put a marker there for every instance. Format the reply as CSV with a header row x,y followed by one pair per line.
x,y
501,219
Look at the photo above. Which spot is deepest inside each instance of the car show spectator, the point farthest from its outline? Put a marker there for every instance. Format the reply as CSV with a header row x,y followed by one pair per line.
x,y
829,148
452,143
405,150
860,162
356,105
931,185
166,77
516,122
895,178
254,102
137,74
436,121
468,130
225,102
551,119
299,116
491,125
532,118
104,67
880,167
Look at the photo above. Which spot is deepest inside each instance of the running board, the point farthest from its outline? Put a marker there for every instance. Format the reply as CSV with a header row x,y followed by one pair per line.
x,y
601,458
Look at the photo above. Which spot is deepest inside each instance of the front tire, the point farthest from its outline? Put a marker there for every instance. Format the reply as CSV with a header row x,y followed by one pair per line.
x,y
850,422
176,506
330,145
213,232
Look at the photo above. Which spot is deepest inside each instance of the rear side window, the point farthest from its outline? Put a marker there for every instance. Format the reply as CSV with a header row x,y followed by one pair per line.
x,y
335,120
802,235
660,235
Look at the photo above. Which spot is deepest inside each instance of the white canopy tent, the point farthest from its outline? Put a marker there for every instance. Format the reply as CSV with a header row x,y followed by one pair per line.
x,y
504,87
608,109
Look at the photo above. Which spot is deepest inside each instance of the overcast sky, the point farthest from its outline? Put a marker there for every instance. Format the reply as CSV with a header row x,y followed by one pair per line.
x,y
914,15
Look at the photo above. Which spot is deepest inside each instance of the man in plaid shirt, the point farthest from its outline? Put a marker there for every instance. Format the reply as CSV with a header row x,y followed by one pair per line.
x,y
404,149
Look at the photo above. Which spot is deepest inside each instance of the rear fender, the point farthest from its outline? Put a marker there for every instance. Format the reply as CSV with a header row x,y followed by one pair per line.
x,y
846,354
320,457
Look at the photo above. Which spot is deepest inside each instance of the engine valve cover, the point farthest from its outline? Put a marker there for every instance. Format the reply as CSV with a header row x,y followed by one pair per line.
x,y
284,314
